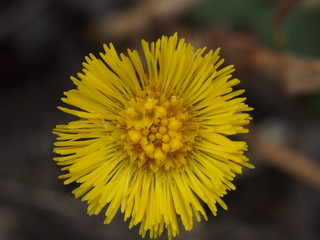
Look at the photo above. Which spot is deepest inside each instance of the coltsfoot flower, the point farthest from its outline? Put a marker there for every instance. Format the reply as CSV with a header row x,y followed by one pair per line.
x,y
151,140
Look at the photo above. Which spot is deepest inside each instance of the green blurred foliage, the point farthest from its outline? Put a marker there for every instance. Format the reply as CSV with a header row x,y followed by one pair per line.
x,y
313,105
300,27
250,15
302,30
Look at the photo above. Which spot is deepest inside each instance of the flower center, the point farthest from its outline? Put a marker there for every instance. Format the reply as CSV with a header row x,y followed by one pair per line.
x,y
155,130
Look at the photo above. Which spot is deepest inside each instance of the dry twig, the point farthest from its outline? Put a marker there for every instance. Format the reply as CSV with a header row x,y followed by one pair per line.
x,y
283,157
140,18
295,75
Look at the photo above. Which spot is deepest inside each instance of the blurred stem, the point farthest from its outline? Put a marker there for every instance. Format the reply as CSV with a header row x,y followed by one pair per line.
x,y
283,157
280,12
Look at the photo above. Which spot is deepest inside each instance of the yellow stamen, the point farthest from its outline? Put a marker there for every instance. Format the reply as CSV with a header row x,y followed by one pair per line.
x,y
174,124
162,129
165,147
152,134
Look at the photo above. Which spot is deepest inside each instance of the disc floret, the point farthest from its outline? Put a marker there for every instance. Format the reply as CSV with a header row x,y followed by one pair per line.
x,y
154,133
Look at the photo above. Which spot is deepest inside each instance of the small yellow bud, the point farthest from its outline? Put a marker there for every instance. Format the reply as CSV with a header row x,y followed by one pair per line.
x,y
131,112
160,112
150,104
143,141
175,144
149,149
145,132
158,135
165,147
162,129
153,129
165,138
158,154
135,136
172,133
138,126
174,124
152,137
164,122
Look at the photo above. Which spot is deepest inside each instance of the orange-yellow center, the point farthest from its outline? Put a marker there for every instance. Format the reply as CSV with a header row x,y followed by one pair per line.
x,y
155,132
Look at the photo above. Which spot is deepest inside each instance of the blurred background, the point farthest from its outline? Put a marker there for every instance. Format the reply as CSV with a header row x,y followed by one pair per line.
x,y
275,47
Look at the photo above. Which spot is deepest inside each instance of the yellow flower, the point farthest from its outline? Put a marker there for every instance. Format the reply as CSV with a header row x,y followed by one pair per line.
x,y
151,140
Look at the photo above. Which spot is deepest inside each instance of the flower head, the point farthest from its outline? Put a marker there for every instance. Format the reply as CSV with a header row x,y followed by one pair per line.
x,y
151,140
